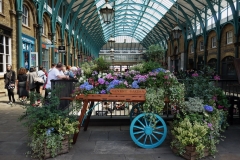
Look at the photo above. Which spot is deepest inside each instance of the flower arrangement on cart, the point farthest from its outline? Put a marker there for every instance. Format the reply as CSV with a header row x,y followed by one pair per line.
x,y
198,124
148,130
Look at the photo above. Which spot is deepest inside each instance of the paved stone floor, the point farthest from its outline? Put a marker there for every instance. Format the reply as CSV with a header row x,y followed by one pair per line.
x,y
99,142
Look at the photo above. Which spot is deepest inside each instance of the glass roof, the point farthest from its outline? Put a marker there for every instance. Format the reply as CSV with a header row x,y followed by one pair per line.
x,y
134,18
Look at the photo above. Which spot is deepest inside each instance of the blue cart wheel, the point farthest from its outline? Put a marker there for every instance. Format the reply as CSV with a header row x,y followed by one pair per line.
x,y
135,111
145,134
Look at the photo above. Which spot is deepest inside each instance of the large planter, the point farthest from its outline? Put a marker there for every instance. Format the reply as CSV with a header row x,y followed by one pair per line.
x,y
190,153
65,146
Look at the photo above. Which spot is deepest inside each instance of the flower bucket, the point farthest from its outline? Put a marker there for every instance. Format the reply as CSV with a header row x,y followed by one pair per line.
x,y
63,149
190,153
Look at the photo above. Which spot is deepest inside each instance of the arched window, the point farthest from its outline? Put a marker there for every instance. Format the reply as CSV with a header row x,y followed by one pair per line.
x,y
212,63
43,27
25,15
228,69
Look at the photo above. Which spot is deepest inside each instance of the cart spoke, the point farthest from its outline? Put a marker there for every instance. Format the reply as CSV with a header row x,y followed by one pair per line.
x,y
150,139
138,127
141,123
155,137
141,136
159,127
158,132
138,132
145,121
145,139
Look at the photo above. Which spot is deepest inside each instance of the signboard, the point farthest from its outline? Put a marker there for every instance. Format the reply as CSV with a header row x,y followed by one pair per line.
x,y
61,49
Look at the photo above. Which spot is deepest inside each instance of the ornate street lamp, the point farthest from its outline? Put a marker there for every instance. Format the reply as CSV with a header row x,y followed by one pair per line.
x,y
176,32
111,42
107,12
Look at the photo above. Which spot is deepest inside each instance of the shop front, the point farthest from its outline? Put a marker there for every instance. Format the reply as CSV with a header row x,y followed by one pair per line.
x,y
28,49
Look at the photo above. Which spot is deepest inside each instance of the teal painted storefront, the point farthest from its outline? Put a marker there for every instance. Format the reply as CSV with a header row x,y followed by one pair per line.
x,y
28,46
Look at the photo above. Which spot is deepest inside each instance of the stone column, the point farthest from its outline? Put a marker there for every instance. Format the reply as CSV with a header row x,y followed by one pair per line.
x,y
19,40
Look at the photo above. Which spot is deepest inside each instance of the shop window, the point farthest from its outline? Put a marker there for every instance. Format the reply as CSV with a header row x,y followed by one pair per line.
x,y
229,37
191,48
214,42
201,46
1,6
25,15
45,59
5,53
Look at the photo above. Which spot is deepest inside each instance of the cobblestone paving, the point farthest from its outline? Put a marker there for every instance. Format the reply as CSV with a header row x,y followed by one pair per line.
x,y
99,142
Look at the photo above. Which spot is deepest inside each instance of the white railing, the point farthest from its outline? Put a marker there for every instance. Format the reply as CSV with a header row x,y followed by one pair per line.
x,y
122,57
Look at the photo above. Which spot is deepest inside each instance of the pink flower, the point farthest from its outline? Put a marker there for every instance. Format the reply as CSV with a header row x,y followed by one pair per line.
x,y
210,126
214,98
217,78
194,75
220,107
166,77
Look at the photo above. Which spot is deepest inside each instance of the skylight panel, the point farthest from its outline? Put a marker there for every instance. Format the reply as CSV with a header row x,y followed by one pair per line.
x,y
129,16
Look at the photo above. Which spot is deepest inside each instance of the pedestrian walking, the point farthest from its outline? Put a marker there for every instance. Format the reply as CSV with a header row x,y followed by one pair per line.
x,y
9,80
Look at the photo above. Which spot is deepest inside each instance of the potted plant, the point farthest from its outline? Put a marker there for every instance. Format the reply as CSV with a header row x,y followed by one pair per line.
x,y
197,129
50,130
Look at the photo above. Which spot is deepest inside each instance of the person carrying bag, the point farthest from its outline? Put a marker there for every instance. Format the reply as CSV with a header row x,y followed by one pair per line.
x,y
9,80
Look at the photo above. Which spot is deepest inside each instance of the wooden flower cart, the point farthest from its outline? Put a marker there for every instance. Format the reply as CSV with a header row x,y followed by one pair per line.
x,y
145,132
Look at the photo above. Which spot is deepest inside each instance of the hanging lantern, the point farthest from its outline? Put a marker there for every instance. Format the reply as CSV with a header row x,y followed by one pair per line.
x,y
176,32
111,42
107,13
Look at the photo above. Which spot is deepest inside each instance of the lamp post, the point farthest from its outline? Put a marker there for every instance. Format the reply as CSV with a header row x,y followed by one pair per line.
x,y
107,12
112,63
111,42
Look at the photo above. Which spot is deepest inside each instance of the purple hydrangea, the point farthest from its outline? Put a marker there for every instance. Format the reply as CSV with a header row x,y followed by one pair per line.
x,y
135,84
110,87
103,91
101,81
82,86
159,70
114,82
89,87
86,86
208,108
107,83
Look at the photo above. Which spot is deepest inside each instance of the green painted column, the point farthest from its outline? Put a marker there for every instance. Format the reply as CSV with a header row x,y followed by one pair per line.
x,y
39,37
74,57
53,48
19,40
62,54
68,53
218,56
236,44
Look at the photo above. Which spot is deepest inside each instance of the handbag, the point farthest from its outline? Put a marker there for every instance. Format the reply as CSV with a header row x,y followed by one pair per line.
x,y
11,84
38,79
